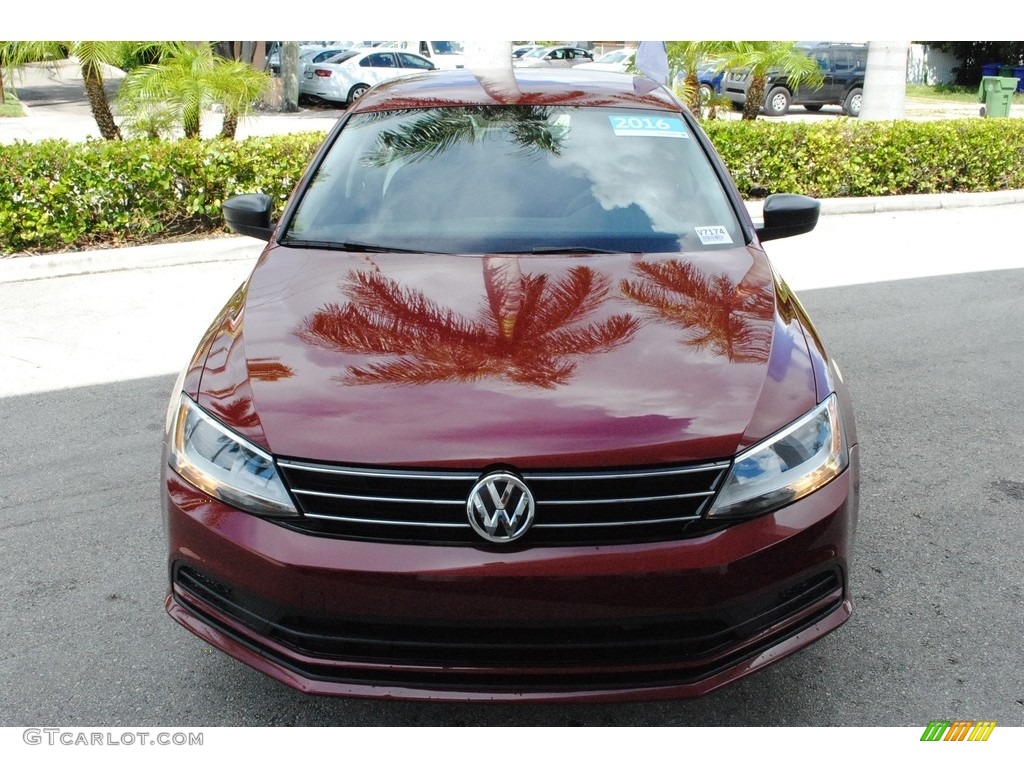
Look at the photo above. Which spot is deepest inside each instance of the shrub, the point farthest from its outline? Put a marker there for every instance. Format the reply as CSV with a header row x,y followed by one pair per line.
x,y
848,158
57,195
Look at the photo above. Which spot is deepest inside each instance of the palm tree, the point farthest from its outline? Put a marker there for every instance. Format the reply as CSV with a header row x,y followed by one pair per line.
x,y
5,58
732,320
688,57
761,57
92,56
188,79
528,333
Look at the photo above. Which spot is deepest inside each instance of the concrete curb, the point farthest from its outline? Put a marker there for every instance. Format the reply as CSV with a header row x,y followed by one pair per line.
x,y
841,206
14,269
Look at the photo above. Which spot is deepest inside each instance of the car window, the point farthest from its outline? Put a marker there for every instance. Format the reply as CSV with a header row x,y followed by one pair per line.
x,y
345,56
378,60
324,55
823,61
843,61
513,179
412,61
446,47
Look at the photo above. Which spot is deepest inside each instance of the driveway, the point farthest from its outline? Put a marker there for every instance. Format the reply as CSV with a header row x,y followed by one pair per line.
x,y
933,359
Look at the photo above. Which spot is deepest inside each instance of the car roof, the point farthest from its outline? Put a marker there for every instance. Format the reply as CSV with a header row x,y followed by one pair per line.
x,y
359,53
567,87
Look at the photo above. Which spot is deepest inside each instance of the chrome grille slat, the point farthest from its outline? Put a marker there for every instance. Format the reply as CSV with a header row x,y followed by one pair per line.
x,y
382,499
572,507
616,523
589,502
364,521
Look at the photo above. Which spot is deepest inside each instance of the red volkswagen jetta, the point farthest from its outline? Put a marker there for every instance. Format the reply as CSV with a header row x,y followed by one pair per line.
x,y
513,406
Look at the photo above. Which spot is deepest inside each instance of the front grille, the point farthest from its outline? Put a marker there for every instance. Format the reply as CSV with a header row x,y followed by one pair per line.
x,y
519,655
572,508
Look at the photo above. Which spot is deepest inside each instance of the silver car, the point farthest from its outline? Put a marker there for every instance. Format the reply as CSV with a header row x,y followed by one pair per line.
x,y
348,75
555,56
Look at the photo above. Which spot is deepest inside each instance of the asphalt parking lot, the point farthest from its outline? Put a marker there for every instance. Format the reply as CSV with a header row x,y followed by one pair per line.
x,y
921,307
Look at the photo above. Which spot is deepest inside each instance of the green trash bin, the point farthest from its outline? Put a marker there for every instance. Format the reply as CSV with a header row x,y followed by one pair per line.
x,y
996,93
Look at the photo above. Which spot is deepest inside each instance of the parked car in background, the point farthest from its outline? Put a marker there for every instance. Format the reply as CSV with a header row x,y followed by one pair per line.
x,y
446,54
710,76
310,51
618,60
513,406
843,66
555,56
519,50
347,76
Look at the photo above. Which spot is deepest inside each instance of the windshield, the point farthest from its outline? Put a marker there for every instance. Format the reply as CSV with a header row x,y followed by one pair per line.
x,y
614,57
446,47
537,53
515,179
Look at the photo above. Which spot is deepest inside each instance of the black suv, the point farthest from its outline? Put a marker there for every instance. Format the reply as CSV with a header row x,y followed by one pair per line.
x,y
842,64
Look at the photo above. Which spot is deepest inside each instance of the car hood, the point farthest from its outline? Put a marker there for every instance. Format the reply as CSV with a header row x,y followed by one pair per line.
x,y
531,361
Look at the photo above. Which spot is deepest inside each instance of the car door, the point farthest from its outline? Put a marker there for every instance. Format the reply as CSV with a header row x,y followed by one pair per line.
x,y
410,62
826,91
580,56
557,58
377,67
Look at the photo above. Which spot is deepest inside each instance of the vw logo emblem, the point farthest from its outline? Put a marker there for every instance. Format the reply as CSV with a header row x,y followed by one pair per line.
x,y
500,508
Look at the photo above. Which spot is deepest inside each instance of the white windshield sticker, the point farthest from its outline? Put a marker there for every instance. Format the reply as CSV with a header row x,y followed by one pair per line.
x,y
713,235
632,125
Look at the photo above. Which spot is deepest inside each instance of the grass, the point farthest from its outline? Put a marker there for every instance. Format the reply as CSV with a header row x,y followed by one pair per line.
x,y
960,94
11,106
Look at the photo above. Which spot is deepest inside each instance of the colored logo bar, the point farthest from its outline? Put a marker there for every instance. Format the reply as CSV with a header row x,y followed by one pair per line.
x,y
958,730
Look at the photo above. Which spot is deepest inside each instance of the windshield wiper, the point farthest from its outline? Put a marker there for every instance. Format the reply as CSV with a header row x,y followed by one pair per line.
x,y
569,249
353,247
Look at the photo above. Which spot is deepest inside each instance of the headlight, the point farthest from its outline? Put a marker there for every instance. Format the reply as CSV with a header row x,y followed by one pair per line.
x,y
790,464
225,465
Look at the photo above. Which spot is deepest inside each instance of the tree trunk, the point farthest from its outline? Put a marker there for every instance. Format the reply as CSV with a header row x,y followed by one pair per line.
x,y
99,104
190,123
693,92
755,98
230,125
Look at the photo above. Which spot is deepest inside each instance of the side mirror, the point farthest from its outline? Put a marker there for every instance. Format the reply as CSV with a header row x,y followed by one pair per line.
x,y
787,215
250,215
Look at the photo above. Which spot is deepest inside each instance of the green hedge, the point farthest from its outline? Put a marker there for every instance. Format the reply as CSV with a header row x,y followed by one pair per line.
x,y
57,195
848,158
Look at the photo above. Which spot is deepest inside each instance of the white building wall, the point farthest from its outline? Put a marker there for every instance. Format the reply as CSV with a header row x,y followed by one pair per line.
x,y
928,66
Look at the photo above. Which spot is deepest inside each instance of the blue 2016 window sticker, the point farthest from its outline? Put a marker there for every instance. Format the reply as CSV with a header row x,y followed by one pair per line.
x,y
713,235
634,125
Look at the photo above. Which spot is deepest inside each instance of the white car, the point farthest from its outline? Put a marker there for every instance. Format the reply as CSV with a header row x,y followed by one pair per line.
x,y
554,56
347,76
613,61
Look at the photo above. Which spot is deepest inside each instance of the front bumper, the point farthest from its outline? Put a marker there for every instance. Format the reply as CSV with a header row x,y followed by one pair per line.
x,y
647,621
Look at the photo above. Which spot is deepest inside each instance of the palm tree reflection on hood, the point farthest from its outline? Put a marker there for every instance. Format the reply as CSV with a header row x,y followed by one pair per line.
x,y
530,332
732,320
435,131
